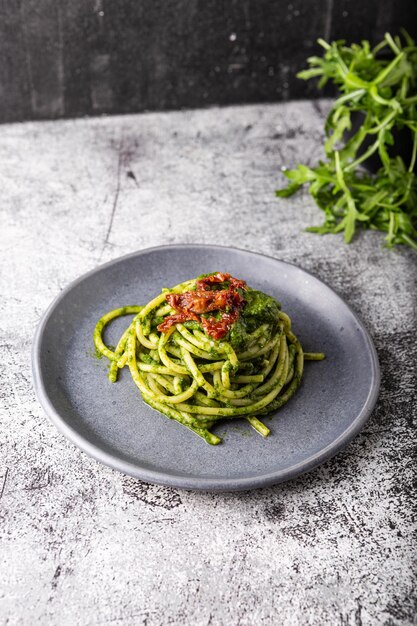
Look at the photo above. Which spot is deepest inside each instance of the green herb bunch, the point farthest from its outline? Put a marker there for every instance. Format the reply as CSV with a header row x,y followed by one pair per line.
x,y
380,91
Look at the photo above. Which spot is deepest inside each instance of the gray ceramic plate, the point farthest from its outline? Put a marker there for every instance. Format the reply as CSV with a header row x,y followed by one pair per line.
x,y
112,423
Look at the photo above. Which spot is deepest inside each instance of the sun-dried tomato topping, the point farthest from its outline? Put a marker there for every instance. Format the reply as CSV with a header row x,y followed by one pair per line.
x,y
219,328
200,301
170,320
220,278
191,304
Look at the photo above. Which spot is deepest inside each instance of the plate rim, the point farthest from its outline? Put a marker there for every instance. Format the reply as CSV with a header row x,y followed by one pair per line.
x,y
189,482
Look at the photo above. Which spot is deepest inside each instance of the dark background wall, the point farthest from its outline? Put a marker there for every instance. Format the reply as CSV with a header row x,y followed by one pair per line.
x,y
65,58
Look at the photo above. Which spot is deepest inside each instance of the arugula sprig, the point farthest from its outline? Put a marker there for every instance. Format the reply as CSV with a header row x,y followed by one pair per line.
x,y
379,90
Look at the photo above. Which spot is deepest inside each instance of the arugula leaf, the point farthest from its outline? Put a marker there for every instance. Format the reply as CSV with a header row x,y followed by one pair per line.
x,y
379,90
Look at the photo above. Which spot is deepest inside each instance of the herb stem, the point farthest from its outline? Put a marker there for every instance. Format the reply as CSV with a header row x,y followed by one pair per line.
x,y
414,153
392,43
383,124
409,241
370,151
383,75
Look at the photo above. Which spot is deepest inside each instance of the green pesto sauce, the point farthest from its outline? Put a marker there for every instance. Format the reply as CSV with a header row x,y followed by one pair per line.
x,y
145,358
158,319
238,334
259,308
217,315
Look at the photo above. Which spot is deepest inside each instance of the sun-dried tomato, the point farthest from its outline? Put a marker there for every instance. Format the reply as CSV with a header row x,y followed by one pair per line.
x,y
219,328
170,320
213,279
191,304
200,301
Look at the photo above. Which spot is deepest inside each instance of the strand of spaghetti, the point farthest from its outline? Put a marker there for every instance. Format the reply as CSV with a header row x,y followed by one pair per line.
x,y
211,367
173,350
178,384
141,337
230,353
230,402
133,365
231,365
122,361
164,310
155,369
271,360
179,369
198,334
258,426
256,378
291,351
120,348
292,337
225,375
103,321
314,356
285,319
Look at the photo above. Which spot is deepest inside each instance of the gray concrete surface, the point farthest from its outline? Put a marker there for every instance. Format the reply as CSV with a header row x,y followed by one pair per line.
x,y
81,544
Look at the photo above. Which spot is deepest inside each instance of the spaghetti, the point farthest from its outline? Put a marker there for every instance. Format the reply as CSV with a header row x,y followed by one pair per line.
x,y
209,349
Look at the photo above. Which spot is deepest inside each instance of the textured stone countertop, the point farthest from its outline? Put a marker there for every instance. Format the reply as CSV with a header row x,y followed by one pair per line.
x,y
82,544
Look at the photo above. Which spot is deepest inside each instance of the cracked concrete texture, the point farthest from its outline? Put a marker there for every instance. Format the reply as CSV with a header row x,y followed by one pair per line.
x,y
82,544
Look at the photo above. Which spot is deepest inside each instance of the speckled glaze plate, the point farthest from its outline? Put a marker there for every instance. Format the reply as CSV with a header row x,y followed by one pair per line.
x,y
111,423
